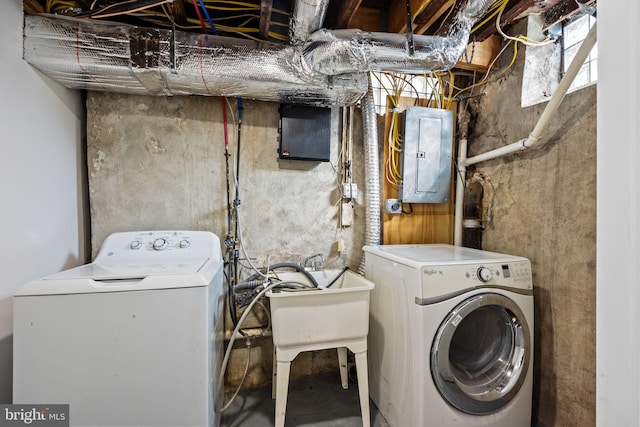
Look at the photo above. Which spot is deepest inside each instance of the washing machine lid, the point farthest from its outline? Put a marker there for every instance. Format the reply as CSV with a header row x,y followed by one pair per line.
x,y
104,277
438,254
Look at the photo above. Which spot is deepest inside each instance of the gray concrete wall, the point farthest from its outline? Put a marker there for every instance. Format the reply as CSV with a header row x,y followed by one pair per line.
x,y
158,163
544,208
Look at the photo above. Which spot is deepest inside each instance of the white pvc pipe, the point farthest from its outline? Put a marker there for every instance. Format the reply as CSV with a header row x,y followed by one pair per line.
x,y
461,171
523,144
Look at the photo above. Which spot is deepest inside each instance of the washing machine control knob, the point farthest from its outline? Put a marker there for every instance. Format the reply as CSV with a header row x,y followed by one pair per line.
x,y
160,244
135,244
484,274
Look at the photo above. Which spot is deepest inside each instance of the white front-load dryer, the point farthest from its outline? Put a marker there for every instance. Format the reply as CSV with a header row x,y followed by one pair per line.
x,y
450,336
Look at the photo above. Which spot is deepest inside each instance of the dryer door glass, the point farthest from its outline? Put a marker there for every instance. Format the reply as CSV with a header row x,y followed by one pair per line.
x,y
481,353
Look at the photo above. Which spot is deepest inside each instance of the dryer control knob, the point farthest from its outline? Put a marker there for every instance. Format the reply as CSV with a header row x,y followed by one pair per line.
x,y
136,244
484,274
160,244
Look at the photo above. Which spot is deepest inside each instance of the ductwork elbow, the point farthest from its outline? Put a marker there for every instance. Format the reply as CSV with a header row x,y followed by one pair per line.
x,y
351,51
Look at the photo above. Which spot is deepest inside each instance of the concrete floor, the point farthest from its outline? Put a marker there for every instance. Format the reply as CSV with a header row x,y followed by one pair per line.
x,y
313,401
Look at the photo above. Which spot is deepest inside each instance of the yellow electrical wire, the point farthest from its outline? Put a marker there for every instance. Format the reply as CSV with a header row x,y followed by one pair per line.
x,y
494,77
453,6
493,11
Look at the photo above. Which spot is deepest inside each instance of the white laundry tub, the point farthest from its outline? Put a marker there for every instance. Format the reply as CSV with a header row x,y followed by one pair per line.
x,y
319,318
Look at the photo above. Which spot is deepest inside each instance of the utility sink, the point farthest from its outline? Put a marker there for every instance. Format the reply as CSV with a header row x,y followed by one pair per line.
x,y
318,318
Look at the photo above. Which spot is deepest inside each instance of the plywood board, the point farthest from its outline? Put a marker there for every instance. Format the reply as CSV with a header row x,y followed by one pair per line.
x,y
427,223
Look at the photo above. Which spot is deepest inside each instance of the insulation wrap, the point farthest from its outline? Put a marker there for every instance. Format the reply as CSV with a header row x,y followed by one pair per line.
x,y
83,54
371,173
308,17
318,67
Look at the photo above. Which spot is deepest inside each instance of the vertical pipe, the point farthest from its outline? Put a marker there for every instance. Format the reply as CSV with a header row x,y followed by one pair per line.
x,y
461,171
371,172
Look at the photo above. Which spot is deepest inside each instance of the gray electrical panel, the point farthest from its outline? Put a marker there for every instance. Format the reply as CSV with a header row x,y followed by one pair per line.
x,y
426,162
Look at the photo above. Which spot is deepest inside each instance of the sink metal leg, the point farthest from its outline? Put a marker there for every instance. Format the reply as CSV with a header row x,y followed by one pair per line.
x,y
274,373
342,362
282,389
363,387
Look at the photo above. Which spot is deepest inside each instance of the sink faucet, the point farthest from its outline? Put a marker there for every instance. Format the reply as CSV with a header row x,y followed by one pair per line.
x,y
314,261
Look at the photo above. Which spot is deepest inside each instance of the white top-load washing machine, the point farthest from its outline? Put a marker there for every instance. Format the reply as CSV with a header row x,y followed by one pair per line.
x,y
133,339
450,336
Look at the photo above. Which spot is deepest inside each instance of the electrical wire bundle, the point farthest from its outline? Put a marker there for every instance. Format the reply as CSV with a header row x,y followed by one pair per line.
x,y
218,17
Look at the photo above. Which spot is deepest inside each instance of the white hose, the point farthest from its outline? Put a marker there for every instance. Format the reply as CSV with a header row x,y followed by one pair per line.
x,y
227,353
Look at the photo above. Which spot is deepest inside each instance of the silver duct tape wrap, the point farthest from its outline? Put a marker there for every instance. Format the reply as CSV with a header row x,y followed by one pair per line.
x,y
85,55
349,51
99,56
307,18
372,173
328,69
214,65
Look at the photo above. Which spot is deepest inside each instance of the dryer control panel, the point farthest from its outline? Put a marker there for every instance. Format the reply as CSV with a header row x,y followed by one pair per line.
x,y
446,280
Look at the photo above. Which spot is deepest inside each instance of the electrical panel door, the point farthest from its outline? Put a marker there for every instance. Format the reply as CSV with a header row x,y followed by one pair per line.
x,y
426,161
305,132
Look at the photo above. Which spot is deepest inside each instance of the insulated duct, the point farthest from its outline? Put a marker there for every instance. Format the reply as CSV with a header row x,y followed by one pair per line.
x,y
324,68
95,55
371,173
351,51
307,18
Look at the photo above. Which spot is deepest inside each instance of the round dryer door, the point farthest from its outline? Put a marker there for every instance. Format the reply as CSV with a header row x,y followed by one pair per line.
x,y
481,353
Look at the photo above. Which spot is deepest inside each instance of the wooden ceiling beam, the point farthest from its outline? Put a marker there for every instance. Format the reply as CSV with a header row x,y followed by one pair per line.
x,y
177,10
347,9
32,7
562,11
398,13
431,14
509,16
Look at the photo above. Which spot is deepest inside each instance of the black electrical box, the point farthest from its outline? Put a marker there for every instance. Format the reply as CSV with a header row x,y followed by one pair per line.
x,y
305,132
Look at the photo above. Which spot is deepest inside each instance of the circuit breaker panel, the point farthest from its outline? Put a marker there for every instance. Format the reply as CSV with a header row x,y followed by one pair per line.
x,y
426,162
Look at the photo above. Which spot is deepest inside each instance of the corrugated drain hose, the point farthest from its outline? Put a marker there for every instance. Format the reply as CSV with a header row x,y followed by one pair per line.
x,y
252,282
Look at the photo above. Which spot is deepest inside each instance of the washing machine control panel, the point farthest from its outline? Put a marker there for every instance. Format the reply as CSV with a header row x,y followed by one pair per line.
x,y
449,279
154,246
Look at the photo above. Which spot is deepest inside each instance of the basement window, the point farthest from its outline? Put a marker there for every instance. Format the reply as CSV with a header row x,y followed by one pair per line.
x,y
413,86
545,65
573,34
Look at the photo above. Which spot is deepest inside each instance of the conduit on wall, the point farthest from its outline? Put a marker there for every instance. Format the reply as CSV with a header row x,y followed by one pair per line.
x,y
323,68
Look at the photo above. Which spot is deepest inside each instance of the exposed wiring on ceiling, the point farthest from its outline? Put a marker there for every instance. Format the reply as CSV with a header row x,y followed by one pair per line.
x,y
206,13
125,7
195,6
453,6
242,18
488,79
493,11
520,38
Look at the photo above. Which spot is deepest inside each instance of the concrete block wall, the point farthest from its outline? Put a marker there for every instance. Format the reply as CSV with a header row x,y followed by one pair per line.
x,y
543,207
